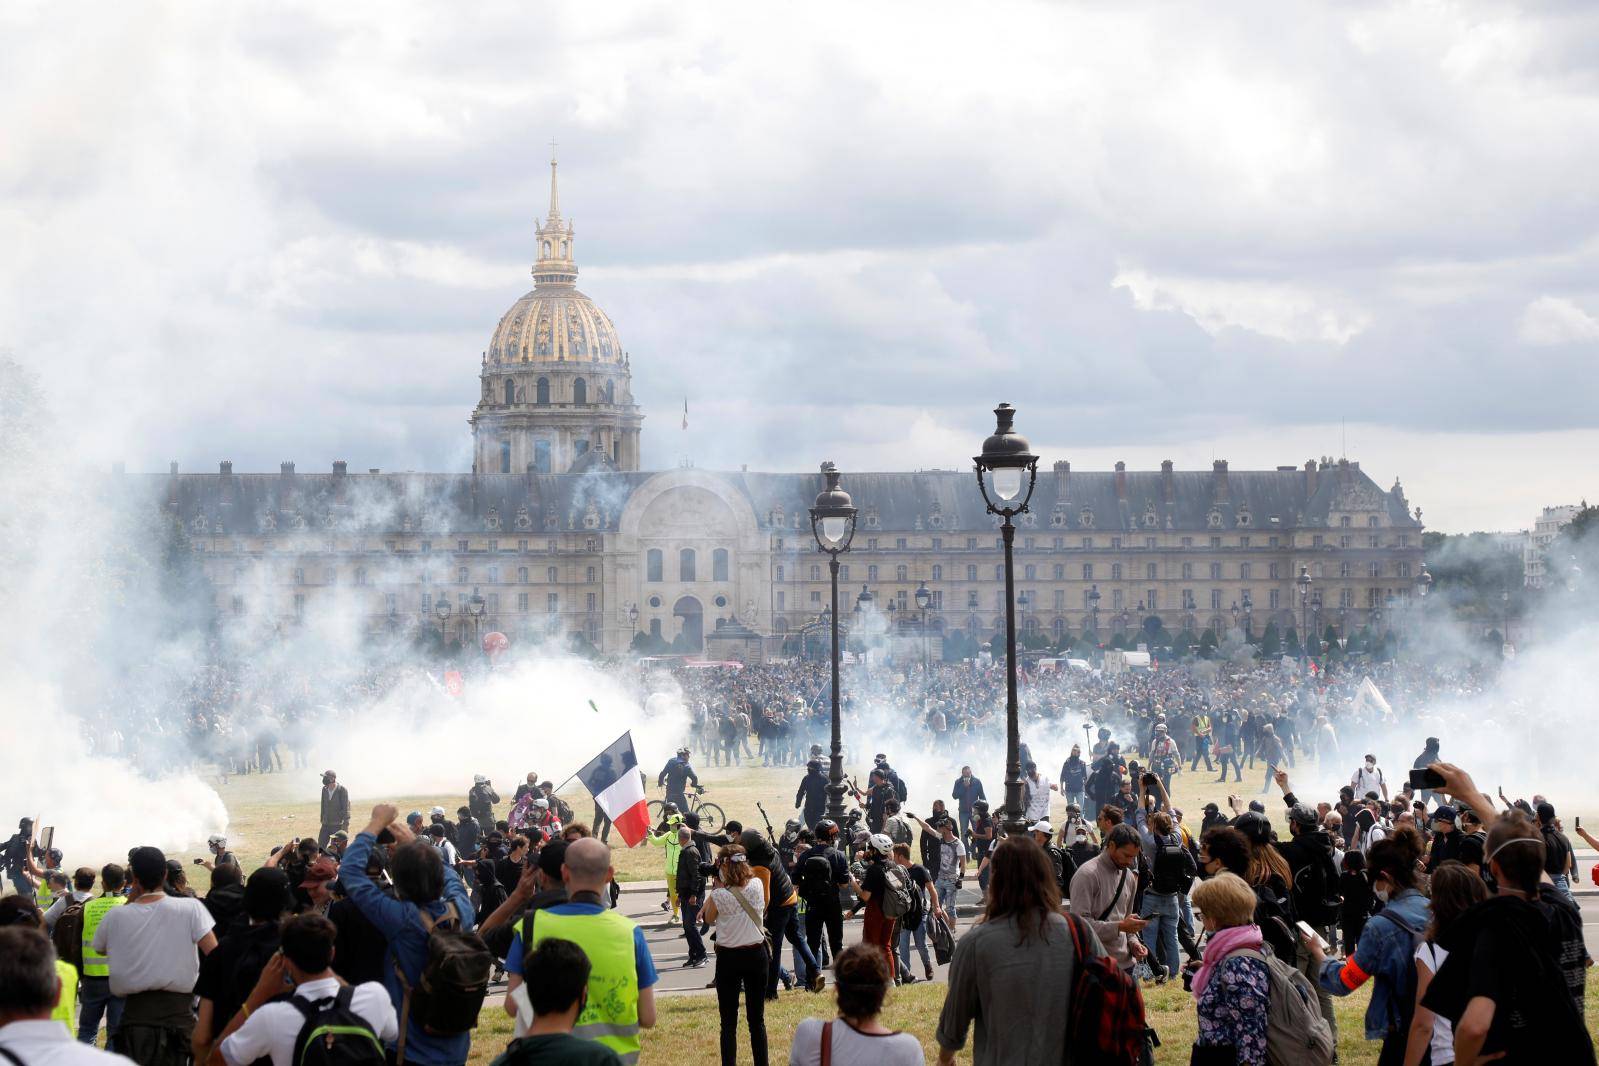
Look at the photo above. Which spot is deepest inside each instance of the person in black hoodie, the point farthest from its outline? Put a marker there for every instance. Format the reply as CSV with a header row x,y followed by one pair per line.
x,y
690,895
1313,882
812,794
782,909
225,901
233,967
1513,980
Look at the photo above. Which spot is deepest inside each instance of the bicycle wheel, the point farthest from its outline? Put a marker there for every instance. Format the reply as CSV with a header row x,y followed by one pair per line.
x,y
711,818
656,807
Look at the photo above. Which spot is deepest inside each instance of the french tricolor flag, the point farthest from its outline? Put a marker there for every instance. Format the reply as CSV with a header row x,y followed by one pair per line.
x,y
612,778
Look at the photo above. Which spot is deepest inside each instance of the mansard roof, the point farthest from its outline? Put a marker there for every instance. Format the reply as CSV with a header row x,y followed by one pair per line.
x,y
932,500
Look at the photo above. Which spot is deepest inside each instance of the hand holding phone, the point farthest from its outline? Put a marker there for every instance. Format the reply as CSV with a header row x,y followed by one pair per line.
x,y
1312,937
1426,778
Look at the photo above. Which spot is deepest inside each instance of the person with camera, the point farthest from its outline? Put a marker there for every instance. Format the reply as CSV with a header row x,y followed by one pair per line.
x,y
481,800
735,905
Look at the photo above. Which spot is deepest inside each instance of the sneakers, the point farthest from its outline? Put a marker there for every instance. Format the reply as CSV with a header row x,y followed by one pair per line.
x,y
908,979
694,964
818,983
674,920
929,973
666,905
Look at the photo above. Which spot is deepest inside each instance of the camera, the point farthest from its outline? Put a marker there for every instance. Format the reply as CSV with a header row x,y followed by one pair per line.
x,y
707,869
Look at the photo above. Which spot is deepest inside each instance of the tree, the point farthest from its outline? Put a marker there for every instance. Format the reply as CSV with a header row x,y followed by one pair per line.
x,y
1472,573
1271,642
1572,559
1207,643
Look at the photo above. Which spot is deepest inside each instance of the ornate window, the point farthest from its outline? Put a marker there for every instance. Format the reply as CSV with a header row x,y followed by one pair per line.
x,y
541,392
510,392
719,564
580,391
1085,518
652,565
685,564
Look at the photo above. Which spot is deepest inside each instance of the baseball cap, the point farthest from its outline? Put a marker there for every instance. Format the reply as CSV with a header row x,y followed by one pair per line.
x,y
479,779
1041,826
323,870
436,810
1445,813
1301,814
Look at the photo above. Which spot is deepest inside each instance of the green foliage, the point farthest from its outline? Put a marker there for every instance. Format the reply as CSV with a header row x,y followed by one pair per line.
x,y
1207,643
1271,642
1471,572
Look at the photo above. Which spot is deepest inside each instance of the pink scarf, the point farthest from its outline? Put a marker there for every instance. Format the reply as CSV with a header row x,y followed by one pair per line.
x,y
1221,944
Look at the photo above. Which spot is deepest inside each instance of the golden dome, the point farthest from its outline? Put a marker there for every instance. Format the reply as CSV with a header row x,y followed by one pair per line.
x,y
554,322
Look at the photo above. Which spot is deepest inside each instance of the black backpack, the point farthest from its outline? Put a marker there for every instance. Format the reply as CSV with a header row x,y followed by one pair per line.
x,y
1174,866
815,876
454,980
67,936
912,919
334,1035
1315,891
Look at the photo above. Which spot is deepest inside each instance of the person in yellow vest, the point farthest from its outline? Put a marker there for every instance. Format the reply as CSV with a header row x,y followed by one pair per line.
x,y
621,985
665,836
22,911
52,886
95,989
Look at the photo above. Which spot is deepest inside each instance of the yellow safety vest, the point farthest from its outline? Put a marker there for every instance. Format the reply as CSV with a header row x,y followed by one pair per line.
x,y
66,1011
611,1014
94,911
42,895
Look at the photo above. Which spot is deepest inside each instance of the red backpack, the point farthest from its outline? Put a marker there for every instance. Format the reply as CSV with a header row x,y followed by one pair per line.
x,y
1106,1023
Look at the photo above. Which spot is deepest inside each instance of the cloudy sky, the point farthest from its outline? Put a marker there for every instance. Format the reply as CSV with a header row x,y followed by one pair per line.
x,y
839,231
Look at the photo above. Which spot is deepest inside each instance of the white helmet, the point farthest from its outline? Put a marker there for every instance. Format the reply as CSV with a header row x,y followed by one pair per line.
x,y
479,779
881,843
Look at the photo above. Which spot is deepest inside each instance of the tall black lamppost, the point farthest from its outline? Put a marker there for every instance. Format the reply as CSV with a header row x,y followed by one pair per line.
x,y
924,597
1423,586
1093,609
1303,581
1012,468
833,526
1249,610
632,620
1315,617
475,607
441,608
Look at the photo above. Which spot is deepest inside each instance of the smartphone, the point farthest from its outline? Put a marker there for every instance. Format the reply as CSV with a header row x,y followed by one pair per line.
x,y
1426,778
199,862
1313,936
1577,822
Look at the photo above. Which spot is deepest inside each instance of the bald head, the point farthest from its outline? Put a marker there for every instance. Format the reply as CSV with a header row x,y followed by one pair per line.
x,y
586,866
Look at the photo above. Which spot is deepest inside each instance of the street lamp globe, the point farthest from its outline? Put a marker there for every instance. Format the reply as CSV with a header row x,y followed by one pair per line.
x,y
1423,582
632,614
1303,581
924,596
833,514
442,608
1008,461
476,605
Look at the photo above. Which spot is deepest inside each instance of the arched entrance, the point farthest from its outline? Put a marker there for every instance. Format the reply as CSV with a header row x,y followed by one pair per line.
x,y
692,614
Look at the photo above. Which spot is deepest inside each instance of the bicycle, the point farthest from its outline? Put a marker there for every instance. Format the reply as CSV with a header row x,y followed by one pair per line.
x,y
711,817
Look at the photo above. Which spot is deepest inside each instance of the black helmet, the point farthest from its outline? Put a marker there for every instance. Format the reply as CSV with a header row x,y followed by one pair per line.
x,y
814,764
980,805
826,827
668,807
1255,826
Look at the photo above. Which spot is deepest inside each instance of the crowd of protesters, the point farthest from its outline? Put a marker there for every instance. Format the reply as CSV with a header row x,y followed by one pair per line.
x,y
389,939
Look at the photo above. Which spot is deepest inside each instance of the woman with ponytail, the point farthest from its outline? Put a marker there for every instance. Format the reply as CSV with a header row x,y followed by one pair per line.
x,y
1386,950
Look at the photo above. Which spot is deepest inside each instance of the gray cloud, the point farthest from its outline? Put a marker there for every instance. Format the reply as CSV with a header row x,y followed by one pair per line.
x,y
288,234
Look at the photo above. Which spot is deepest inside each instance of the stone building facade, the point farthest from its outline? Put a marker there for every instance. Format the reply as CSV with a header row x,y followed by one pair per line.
x,y
557,530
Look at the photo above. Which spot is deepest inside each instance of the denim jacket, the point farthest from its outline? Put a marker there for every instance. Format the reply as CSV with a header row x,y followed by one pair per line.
x,y
1386,952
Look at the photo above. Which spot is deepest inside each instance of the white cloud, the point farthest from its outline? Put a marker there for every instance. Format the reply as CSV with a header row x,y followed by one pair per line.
x,y
1286,312
1554,320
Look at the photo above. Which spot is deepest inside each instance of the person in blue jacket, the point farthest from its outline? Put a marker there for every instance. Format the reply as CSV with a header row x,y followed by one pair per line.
x,y
424,884
1386,951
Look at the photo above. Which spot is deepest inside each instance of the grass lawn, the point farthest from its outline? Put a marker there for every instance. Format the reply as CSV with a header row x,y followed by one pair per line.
x,y
686,1031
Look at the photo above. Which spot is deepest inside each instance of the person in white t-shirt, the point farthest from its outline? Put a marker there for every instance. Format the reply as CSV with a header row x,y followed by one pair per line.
x,y
856,1037
152,946
30,988
1368,778
304,963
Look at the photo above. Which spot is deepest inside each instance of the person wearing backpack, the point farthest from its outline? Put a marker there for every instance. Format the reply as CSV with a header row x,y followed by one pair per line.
x,y
821,872
1385,953
324,1023
1017,975
1174,871
884,889
81,892
1254,1008
430,896
913,925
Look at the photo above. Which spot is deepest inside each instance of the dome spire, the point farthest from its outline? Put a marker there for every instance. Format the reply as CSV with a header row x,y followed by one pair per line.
x,y
555,202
